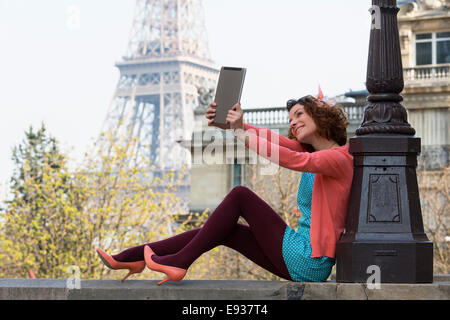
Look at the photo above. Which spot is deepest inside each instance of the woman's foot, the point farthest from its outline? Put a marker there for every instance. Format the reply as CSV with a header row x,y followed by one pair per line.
x,y
110,262
172,273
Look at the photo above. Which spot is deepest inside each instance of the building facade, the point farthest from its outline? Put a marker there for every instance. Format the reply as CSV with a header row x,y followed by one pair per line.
x,y
424,28
425,42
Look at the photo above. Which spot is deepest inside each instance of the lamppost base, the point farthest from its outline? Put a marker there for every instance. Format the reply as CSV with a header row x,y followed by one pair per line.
x,y
384,221
398,262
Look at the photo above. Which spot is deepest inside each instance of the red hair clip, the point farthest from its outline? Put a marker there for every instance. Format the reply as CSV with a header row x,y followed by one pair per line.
x,y
320,96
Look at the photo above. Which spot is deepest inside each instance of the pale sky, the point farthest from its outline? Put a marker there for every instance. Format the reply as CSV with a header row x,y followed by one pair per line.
x,y
66,78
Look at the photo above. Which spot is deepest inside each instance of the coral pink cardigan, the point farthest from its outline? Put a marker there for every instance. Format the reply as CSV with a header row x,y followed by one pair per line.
x,y
331,190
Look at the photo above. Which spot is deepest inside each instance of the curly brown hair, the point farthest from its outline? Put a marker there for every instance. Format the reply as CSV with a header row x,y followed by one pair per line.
x,y
330,120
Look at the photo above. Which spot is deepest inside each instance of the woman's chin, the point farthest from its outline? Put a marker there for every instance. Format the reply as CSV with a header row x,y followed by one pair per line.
x,y
303,140
300,139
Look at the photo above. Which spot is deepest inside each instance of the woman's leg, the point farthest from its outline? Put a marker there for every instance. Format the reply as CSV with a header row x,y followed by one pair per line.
x,y
161,248
265,225
243,241
240,239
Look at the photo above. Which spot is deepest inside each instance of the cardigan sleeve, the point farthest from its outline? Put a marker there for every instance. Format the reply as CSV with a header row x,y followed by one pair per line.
x,y
330,162
270,135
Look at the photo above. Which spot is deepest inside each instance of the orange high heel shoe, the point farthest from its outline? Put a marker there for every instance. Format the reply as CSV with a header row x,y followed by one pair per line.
x,y
172,273
133,267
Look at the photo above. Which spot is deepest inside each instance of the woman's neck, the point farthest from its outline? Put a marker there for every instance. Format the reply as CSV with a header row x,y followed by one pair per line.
x,y
324,144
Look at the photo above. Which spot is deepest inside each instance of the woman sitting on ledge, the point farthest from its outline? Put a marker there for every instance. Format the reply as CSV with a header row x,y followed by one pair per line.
x,y
317,147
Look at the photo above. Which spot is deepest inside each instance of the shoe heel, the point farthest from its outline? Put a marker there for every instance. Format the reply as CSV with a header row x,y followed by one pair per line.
x,y
161,282
172,273
133,267
129,274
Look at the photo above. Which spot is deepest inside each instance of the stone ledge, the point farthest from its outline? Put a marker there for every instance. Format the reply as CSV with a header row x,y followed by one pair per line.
x,y
56,289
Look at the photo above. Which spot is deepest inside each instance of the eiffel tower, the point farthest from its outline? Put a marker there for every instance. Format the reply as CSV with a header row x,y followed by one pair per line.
x,y
167,61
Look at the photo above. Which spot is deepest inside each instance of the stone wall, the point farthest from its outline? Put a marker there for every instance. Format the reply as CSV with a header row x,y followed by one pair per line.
x,y
57,289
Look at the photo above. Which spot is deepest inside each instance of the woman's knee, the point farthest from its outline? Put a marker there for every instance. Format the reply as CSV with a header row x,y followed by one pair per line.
x,y
240,190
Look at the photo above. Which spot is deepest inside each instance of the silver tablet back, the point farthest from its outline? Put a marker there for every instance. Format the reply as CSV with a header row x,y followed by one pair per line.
x,y
229,91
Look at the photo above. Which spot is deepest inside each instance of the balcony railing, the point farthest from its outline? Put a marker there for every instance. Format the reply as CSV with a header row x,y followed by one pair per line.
x,y
278,117
427,75
354,113
275,116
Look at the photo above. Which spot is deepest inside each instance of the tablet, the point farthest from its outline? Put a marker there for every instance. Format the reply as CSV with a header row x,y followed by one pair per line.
x,y
228,93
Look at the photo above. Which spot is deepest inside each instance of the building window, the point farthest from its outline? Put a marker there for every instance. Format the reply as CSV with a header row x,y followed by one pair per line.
x,y
432,48
237,173
443,47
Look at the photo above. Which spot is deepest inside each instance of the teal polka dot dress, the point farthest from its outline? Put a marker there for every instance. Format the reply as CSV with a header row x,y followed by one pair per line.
x,y
297,245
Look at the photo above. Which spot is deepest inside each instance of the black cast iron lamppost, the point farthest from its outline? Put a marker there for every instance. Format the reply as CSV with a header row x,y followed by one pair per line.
x,y
384,219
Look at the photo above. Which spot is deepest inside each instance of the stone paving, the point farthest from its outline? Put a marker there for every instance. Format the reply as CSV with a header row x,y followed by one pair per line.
x,y
58,289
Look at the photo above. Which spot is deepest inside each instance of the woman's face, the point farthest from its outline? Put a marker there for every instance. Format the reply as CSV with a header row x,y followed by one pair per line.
x,y
302,125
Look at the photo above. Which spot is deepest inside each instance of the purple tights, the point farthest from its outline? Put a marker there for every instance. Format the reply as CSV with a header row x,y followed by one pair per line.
x,y
261,241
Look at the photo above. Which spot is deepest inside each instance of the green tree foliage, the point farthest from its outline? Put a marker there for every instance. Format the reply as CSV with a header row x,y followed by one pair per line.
x,y
30,158
57,217
40,189
434,200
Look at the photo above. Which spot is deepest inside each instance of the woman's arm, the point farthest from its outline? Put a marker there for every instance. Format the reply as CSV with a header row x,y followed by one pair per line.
x,y
235,118
274,137
327,162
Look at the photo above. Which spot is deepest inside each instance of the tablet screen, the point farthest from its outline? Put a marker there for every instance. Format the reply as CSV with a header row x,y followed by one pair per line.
x,y
228,93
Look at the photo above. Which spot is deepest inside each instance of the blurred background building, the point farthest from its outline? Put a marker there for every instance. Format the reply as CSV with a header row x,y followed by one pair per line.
x,y
424,28
425,40
167,80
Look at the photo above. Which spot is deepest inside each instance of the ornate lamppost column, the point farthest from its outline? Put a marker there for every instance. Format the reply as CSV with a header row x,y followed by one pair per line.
x,y
384,220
